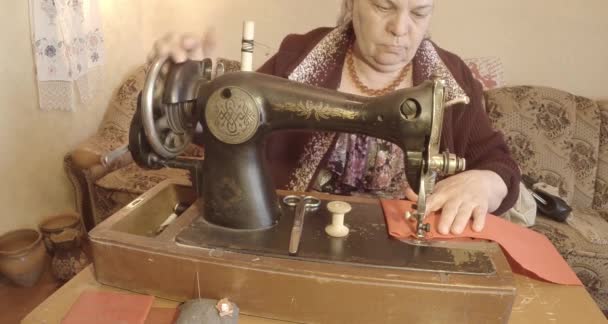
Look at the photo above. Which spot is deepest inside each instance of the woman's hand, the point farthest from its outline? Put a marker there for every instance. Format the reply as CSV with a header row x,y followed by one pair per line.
x,y
182,47
472,193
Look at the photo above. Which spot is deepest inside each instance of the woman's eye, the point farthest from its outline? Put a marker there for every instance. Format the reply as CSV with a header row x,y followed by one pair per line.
x,y
381,8
419,14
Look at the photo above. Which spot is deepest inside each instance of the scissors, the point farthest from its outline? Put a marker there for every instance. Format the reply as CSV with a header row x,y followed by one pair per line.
x,y
302,204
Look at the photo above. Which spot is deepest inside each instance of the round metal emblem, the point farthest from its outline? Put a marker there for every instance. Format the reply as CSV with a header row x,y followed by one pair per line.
x,y
232,115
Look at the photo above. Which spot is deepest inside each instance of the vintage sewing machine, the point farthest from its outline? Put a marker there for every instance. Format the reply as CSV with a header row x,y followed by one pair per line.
x,y
233,240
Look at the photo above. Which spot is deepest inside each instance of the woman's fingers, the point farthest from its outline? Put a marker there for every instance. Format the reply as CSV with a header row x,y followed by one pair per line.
x,y
178,55
209,42
182,47
410,194
448,214
456,213
462,218
460,198
193,47
479,218
435,202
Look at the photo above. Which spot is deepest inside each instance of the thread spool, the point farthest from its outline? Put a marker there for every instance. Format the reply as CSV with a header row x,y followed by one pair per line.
x,y
247,46
337,209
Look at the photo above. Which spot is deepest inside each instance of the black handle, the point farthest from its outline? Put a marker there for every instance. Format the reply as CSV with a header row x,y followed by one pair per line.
x,y
552,206
549,205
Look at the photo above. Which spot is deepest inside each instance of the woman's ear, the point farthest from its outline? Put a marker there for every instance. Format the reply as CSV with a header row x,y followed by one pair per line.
x,y
346,12
349,5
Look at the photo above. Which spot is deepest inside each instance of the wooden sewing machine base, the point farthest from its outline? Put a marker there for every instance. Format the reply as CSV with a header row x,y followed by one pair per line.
x,y
366,277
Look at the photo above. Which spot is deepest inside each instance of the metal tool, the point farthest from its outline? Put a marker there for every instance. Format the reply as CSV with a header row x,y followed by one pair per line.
x,y
112,156
302,204
178,209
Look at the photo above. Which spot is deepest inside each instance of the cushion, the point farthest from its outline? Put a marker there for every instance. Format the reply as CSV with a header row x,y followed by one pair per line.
x,y
553,135
135,180
600,199
487,70
85,159
114,129
582,242
585,150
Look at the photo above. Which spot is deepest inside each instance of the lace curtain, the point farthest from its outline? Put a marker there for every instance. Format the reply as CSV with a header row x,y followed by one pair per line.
x,y
68,51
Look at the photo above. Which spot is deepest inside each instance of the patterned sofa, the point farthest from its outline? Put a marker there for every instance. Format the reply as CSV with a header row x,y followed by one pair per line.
x,y
557,138
561,140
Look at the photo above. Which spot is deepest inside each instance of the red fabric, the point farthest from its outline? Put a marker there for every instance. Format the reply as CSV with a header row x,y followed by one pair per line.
x,y
101,307
529,253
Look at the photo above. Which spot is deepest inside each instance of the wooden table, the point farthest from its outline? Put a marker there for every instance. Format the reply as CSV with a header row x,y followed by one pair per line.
x,y
536,302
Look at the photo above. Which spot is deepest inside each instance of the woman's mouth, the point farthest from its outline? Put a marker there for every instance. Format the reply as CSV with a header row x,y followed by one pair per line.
x,y
394,49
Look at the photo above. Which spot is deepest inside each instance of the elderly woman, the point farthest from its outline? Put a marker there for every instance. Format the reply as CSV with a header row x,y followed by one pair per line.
x,y
381,46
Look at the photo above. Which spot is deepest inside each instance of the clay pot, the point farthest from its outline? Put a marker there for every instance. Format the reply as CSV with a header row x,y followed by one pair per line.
x,y
56,224
69,259
22,256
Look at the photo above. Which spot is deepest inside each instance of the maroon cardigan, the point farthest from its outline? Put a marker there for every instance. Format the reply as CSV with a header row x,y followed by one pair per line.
x,y
466,129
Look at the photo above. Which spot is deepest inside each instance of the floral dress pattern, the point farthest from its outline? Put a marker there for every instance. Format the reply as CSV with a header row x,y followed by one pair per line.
x,y
362,165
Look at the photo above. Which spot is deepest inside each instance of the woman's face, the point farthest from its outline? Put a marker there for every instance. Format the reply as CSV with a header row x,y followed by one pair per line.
x,y
389,32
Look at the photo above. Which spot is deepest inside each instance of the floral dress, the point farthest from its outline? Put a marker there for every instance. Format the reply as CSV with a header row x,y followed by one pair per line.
x,y
364,166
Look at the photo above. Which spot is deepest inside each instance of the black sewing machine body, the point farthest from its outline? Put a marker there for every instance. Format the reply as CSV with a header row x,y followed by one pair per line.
x,y
238,110
235,234
240,170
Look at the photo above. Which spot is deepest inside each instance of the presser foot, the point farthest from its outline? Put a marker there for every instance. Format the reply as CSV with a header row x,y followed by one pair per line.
x,y
422,228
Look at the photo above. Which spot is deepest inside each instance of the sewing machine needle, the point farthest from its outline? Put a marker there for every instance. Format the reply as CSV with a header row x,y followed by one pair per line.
x,y
421,208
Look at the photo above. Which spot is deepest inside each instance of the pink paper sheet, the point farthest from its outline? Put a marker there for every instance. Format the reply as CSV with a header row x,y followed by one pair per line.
x,y
101,307
162,316
529,253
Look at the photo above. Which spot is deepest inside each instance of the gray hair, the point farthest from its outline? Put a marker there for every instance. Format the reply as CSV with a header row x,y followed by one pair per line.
x,y
345,12
346,15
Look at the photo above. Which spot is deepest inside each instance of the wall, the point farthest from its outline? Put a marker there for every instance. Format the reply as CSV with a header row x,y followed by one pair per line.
x,y
557,43
273,20
33,142
537,40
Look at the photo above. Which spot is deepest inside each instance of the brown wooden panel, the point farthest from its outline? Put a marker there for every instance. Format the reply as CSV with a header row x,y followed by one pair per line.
x,y
297,289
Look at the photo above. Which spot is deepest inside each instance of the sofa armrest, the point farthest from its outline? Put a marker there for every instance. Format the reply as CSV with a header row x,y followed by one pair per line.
x,y
113,131
88,155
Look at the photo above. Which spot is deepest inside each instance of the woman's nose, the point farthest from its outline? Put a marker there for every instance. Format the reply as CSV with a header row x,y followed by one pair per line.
x,y
398,26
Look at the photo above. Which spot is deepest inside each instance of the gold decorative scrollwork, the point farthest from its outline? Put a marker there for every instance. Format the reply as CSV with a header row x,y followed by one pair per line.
x,y
308,109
